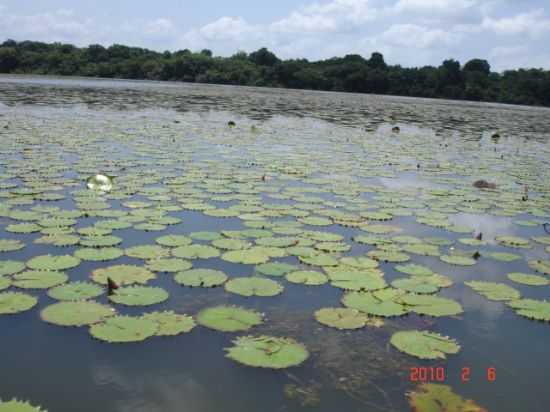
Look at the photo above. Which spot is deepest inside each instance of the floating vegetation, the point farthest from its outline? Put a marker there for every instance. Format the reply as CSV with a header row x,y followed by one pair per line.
x,y
18,406
307,277
380,303
267,352
431,305
206,278
430,397
253,286
78,313
76,291
424,345
168,265
229,318
513,241
49,262
38,279
139,295
10,245
125,329
146,252
458,260
542,266
493,290
532,308
341,318
9,267
99,254
15,302
275,269
123,274
170,323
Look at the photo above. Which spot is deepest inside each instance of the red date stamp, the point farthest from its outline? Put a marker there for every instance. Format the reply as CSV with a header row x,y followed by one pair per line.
x,y
439,374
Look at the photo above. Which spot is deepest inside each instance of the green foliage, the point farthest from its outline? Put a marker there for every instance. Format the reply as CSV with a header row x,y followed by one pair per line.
x,y
124,329
531,308
494,291
430,397
253,286
341,318
139,295
201,277
15,405
170,323
123,274
229,318
423,344
275,268
38,279
267,352
14,302
76,313
49,262
431,305
76,291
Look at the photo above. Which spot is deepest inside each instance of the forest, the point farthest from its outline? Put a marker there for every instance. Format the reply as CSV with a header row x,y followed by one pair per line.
x,y
472,80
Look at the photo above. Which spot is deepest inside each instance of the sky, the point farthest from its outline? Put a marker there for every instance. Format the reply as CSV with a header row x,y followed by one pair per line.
x,y
508,33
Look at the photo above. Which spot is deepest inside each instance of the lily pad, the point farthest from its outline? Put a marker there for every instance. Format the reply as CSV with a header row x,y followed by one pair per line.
x,y
379,303
253,286
231,244
513,241
541,266
76,313
9,267
205,236
493,290
414,269
458,260
275,268
531,308
170,323
123,275
18,406
502,256
38,279
431,305
341,318
98,255
124,329
147,252
319,259
196,252
424,344
49,262
9,245
267,352
252,256
201,277
429,397
229,318
173,240
415,284
15,302
168,265
307,277
528,279
76,291
139,295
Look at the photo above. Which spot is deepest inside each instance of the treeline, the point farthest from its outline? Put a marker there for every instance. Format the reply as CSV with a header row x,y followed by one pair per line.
x,y
352,73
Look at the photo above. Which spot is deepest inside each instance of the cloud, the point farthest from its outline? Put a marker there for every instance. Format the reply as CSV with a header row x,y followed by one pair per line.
x,y
418,37
434,6
298,22
533,23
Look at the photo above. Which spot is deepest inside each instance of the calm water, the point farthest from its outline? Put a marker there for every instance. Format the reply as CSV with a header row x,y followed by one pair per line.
x,y
150,133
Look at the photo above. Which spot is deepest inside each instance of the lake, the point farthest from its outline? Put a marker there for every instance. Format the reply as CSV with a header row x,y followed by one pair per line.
x,y
338,234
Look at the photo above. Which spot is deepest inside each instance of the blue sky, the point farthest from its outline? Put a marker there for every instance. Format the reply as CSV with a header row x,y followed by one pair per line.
x,y
508,33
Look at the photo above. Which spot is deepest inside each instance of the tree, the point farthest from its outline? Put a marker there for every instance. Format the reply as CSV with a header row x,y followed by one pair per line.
x,y
206,52
477,65
376,61
8,59
263,57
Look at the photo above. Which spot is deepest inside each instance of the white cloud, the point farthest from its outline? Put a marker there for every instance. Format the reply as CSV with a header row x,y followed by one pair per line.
x,y
533,23
418,37
298,22
160,27
226,28
434,6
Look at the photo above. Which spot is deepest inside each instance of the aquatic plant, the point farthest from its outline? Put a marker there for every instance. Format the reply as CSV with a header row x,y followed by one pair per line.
x,y
76,313
125,329
424,344
229,318
201,277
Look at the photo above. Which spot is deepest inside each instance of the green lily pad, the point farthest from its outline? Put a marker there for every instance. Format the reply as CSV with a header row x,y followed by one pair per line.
x,y
139,295
123,275
307,277
18,406
388,256
379,303
201,277
253,286
60,240
5,282
414,269
76,291
341,318
360,262
168,265
528,279
76,313
49,262
319,259
513,241
357,279
275,268
458,260
196,252
38,279
541,266
315,221
530,308
423,249
23,228
9,267
147,252
229,318
494,291
429,397
267,352
173,240
170,323
231,244
15,302
9,245
101,241
431,305
252,256
416,284
424,344
98,255
124,329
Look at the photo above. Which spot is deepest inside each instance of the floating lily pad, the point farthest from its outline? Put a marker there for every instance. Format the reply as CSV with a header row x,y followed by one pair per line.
x,y
416,284
494,291
205,236
139,295
424,344
196,252
170,323
76,313
18,406
60,240
275,268
423,249
388,256
231,244
147,252
307,277
360,262
38,279
23,228
429,397
267,352
9,245
379,303
253,286
9,267
201,277
168,265
528,279
49,262
357,279
414,269
123,275
101,241
458,260
76,291
541,266
513,241
319,259
15,302
5,282
99,254
252,256
124,329
341,318
173,240
530,308
229,318
431,305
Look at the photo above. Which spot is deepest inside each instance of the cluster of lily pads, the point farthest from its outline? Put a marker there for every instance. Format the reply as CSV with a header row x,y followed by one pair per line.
x,y
280,216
